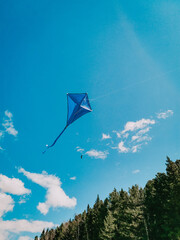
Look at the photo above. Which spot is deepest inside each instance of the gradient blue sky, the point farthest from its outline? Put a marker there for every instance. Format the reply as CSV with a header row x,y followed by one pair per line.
x,y
125,54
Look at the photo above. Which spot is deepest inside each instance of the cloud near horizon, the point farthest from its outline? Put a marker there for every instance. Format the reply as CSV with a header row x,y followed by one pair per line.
x,y
8,228
12,186
17,226
25,238
55,195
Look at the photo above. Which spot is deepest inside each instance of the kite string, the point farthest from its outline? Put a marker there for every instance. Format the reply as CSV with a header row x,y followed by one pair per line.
x,y
47,147
133,84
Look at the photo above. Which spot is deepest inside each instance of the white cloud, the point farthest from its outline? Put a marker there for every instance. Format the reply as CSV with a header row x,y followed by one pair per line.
x,y
6,203
1,133
126,135
22,201
117,133
1,149
12,185
81,150
73,178
141,128
4,235
140,137
22,225
136,148
97,154
8,124
143,131
105,136
135,134
18,226
8,114
135,137
144,139
55,196
136,171
133,126
25,238
43,208
122,148
165,115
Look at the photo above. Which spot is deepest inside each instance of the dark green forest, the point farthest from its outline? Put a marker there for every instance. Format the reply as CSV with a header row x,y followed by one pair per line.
x,y
152,213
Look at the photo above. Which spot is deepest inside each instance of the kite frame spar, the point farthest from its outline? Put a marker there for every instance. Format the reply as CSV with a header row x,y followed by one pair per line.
x,y
68,122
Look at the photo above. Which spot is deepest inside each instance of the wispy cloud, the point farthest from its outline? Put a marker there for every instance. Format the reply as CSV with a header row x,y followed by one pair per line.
x,y
139,135
79,149
97,154
73,178
165,115
21,201
133,136
8,124
55,196
105,136
13,186
1,133
135,148
136,171
133,126
117,133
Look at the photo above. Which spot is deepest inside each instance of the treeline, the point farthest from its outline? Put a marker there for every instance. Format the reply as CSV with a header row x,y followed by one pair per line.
x,y
152,213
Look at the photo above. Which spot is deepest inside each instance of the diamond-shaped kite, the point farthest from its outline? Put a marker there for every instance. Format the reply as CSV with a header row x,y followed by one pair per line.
x,y
78,105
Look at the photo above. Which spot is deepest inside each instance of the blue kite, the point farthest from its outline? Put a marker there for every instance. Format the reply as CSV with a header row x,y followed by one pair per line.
x,y
78,105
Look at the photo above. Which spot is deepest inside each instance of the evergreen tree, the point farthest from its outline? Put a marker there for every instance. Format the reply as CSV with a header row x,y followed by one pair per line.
x,y
122,216
42,237
162,204
152,213
97,221
89,221
173,202
108,231
135,212
59,233
83,227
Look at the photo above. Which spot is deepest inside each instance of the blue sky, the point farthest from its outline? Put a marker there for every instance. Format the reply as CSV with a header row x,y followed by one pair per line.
x,y
125,55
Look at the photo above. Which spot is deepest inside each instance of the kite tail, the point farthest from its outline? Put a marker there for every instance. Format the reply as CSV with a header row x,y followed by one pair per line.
x,y
47,147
